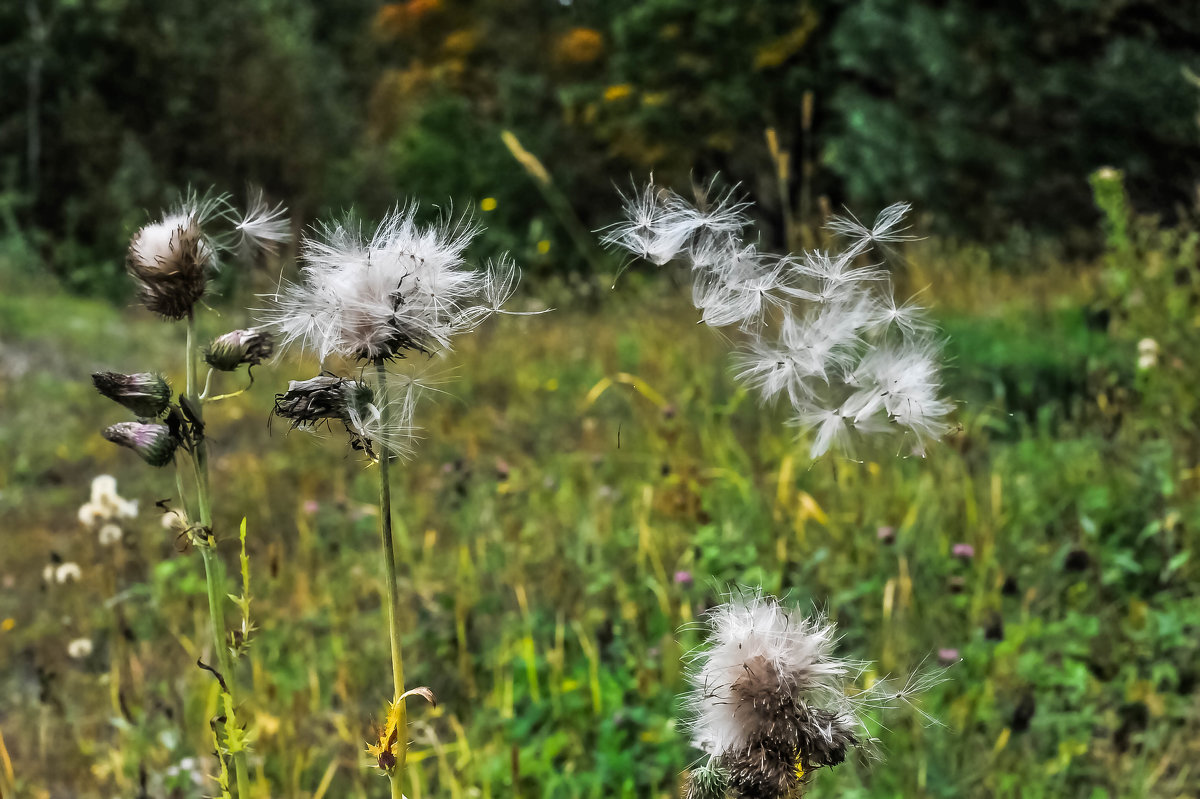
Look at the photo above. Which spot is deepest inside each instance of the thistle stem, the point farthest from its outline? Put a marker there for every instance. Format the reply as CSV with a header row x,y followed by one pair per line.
x,y
213,576
389,563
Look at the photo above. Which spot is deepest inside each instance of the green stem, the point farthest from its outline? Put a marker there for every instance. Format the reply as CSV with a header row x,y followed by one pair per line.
x,y
389,564
213,576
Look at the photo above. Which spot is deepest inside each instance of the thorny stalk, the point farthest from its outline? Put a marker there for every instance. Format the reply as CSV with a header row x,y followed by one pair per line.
x,y
213,574
389,561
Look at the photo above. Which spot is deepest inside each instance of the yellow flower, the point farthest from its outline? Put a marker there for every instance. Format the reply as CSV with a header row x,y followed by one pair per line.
x,y
617,92
488,204
579,46
543,246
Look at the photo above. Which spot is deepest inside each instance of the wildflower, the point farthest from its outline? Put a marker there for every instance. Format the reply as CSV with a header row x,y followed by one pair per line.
x,y
152,441
769,702
683,578
311,506
1147,354
885,535
104,487
144,393
823,329
90,514
948,656
105,504
248,347
406,288
109,534
963,551
79,648
67,572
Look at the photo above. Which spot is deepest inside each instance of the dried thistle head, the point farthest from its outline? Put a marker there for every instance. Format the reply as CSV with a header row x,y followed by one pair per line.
x,y
145,393
151,440
171,261
771,702
371,424
248,347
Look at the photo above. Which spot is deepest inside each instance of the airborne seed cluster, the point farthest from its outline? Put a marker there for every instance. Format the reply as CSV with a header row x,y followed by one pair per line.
x,y
822,329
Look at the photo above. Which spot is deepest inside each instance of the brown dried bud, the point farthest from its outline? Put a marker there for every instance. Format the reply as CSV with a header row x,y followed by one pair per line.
x,y
320,399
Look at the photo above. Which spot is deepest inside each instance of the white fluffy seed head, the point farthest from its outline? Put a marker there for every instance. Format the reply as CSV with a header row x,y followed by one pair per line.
x,y
406,288
748,628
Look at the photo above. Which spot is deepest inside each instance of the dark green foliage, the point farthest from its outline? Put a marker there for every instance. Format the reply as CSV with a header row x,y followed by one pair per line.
x,y
988,117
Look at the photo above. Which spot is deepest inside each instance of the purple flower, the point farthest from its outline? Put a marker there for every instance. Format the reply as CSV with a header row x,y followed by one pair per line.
x,y
964,551
948,656
683,577
311,506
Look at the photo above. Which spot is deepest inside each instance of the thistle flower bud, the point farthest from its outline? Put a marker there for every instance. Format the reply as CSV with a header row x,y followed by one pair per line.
x,y
170,260
144,393
152,441
250,347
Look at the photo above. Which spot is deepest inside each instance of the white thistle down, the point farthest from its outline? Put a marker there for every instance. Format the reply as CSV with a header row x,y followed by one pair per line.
x,y
406,288
771,701
172,260
823,329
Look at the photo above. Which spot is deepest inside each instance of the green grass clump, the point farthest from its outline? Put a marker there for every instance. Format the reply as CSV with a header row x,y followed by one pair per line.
x,y
593,483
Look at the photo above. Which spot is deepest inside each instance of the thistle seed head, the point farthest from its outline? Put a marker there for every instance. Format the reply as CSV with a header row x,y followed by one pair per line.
x,y
151,440
250,347
145,393
404,288
170,260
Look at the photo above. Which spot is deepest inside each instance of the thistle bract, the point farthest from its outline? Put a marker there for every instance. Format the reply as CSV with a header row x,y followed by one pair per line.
x,y
248,347
151,440
144,393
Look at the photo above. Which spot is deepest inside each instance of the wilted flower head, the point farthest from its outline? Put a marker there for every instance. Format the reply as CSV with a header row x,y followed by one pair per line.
x,y
109,534
152,441
144,393
823,330
79,648
309,404
237,347
405,288
105,505
173,259
770,700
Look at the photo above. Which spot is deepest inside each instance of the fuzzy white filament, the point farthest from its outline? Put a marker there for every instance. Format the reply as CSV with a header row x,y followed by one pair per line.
x,y
822,328
771,701
404,288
